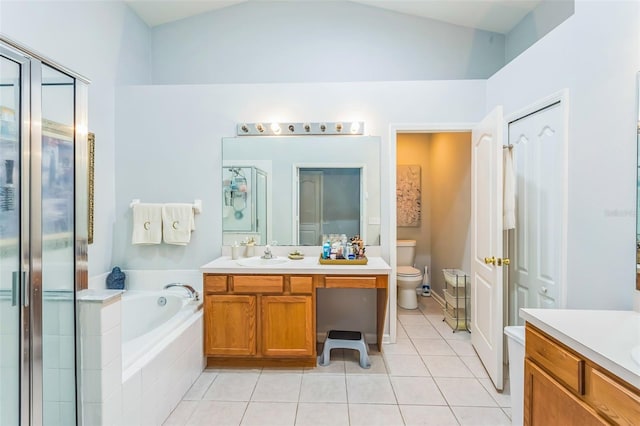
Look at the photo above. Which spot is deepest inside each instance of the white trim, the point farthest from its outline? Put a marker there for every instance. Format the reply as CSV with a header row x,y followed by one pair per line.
x,y
562,97
394,129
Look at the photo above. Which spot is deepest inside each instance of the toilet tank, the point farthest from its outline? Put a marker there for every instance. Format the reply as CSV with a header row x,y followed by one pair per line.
x,y
406,252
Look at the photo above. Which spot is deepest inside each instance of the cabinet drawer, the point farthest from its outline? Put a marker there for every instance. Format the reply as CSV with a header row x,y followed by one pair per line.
x,y
350,282
215,284
258,284
301,285
558,361
610,398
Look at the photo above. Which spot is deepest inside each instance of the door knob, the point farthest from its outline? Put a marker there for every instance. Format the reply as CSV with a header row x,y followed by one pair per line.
x,y
490,260
505,261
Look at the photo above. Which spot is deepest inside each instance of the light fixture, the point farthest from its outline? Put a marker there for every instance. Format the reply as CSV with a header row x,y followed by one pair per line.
x,y
304,128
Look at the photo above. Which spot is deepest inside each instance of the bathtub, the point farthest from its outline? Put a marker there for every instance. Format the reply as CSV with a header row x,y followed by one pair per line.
x,y
162,352
149,325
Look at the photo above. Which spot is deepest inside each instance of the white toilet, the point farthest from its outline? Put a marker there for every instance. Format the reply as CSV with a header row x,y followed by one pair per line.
x,y
408,277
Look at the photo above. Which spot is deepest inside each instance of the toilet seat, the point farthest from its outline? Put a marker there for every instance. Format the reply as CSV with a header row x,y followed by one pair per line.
x,y
408,271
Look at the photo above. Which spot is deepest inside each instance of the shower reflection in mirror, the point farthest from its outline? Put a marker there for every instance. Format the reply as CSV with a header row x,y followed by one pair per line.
x,y
244,215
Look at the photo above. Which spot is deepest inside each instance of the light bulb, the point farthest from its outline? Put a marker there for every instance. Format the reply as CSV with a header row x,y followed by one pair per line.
x,y
355,127
338,127
275,128
260,127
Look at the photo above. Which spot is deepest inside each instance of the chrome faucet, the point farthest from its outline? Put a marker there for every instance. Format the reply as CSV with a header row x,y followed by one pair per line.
x,y
267,253
193,293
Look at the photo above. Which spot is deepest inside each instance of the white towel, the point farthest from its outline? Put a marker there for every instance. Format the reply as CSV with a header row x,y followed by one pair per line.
x,y
509,190
177,223
147,224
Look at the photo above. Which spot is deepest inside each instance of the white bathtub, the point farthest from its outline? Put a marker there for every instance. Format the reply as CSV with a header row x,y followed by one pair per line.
x,y
148,327
161,352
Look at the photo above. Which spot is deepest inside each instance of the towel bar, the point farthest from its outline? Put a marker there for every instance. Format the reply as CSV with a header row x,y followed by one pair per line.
x,y
197,205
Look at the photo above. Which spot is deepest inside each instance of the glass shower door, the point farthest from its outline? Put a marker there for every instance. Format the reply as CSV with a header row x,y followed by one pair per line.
x,y
58,251
10,247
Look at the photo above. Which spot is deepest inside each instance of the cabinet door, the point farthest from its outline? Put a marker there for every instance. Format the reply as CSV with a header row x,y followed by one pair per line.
x,y
287,326
230,325
547,402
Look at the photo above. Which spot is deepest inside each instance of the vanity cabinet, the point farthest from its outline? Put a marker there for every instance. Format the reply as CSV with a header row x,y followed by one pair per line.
x,y
230,321
564,387
259,320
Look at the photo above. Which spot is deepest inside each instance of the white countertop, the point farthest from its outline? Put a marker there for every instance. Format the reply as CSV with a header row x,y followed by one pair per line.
x,y
308,265
605,337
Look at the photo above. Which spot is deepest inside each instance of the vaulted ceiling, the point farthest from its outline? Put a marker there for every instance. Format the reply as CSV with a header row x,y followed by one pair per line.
x,y
492,15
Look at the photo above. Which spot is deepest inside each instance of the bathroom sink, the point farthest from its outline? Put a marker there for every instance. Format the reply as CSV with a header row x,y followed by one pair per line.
x,y
635,354
258,262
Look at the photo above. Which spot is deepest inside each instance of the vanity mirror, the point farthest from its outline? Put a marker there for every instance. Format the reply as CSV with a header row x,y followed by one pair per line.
x,y
293,190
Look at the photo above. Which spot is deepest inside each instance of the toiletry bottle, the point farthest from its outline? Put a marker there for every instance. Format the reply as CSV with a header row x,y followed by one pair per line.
x,y
326,250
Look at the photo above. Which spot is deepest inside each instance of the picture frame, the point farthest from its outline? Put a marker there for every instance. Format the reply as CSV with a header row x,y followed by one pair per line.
x,y
91,146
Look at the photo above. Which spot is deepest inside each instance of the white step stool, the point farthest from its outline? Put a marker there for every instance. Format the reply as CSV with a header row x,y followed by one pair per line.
x,y
337,339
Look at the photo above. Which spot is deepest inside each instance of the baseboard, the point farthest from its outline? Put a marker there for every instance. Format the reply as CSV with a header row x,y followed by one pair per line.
x,y
438,298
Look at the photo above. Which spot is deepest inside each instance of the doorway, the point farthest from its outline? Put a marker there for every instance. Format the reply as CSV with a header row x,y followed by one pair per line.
x,y
441,162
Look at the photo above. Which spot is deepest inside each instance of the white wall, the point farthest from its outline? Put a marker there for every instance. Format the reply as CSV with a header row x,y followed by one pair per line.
x,y
595,54
171,136
286,42
107,43
535,25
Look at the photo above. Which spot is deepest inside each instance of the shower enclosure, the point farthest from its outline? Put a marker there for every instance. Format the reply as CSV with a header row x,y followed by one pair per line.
x,y
43,235
244,207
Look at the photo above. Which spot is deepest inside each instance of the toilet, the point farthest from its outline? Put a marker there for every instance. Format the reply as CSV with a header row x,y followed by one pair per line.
x,y
408,277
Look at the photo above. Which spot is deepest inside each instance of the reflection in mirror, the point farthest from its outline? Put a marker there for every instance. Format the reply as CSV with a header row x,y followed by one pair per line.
x,y
244,189
312,185
329,203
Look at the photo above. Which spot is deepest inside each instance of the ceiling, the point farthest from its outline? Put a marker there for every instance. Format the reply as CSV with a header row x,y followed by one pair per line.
x,y
491,15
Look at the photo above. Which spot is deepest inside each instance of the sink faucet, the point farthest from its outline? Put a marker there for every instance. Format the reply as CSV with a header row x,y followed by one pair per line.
x,y
192,291
267,253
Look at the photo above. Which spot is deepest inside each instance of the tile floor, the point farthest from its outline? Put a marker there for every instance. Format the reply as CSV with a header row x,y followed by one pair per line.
x,y
431,376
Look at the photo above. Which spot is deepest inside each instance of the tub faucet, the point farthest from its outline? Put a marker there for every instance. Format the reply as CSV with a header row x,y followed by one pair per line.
x,y
267,253
192,291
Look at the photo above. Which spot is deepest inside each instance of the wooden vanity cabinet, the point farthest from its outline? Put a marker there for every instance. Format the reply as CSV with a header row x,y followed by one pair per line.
x,y
287,326
230,321
564,387
259,320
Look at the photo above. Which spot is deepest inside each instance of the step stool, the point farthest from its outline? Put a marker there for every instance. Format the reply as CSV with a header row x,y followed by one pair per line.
x,y
337,339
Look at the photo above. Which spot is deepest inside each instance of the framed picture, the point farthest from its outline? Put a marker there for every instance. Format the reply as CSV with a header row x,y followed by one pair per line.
x,y
408,195
91,146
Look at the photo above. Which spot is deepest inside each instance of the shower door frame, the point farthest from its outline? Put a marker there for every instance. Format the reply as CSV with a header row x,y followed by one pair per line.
x,y
31,293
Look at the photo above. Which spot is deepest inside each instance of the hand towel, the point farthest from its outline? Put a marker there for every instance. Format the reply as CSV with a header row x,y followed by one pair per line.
x,y
147,224
177,223
509,190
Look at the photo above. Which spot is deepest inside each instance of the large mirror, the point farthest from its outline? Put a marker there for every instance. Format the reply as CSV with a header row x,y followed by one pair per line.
x,y
298,190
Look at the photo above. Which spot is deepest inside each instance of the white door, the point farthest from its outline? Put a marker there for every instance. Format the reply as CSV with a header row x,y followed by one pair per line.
x,y
536,241
486,244
310,218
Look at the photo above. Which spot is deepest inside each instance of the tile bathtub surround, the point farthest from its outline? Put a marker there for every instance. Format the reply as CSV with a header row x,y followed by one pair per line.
x,y
426,378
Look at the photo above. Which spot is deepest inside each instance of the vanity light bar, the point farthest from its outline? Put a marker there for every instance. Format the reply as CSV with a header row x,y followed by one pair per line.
x,y
298,129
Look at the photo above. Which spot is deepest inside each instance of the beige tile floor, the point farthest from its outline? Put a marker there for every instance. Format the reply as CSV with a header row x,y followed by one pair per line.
x,y
431,376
